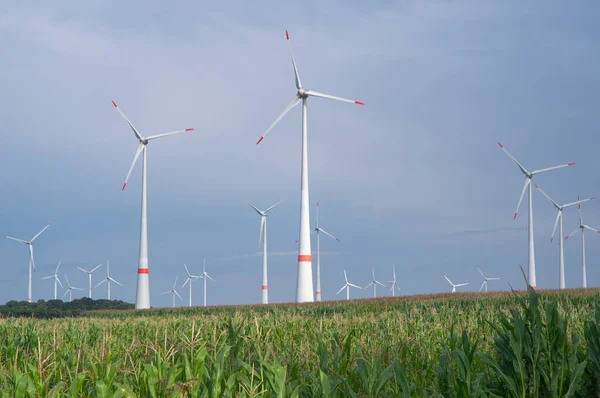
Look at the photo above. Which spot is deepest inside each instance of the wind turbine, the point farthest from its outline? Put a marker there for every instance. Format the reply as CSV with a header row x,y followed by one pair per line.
x,y
173,291
374,283
318,230
189,280
89,277
582,227
528,176
393,282
56,280
205,276
559,219
70,290
485,281
455,286
263,233
108,279
347,287
304,283
142,299
31,260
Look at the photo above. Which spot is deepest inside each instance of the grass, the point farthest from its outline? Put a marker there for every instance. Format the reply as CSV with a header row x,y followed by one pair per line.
x,y
469,344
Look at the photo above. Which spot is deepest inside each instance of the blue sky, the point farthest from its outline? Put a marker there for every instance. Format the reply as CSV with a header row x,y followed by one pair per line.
x,y
413,178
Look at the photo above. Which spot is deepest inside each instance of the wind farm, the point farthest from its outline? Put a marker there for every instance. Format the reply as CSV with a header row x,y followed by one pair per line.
x,y
480,299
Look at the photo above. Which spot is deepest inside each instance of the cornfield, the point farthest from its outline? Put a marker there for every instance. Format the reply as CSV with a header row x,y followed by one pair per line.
x,y
525,344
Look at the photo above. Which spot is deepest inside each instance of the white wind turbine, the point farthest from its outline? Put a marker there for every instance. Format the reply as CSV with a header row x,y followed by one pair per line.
x,y
56,280
304,283
485,281
559,221
174,292
29,243
189,280
582,227
528,176
263,237
108,279
374,283
70,290
205,276
455,286
318,230
142,299
393,282
89,277
347,287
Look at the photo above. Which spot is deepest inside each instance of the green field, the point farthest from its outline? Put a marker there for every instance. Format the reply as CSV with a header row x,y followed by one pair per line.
x,y
496,344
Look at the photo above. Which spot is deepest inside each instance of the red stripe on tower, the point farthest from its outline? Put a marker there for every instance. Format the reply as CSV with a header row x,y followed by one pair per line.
x,y
143,271
304,258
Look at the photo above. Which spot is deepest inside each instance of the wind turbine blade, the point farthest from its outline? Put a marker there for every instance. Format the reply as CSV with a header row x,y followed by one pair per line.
x,y
523,169
175,283
380,284
547,197
177,294
101,282
208,276
256,209
353,285
204,267
169,133
58,280
448,280
168,291
137,134
67,279
186,282
296,75
551,168
39,233
48,277
480,272
76,288
555,225
527,182
16,239
493,279
579,201
345,276
369,285
113,280
394,271
292,104
573,233
97,266
83,270
63,296
328,234
57,267
462,284
317,220
591,229
139,150
341,290
482,285
274,206
31,257
263,220
186,270
321,95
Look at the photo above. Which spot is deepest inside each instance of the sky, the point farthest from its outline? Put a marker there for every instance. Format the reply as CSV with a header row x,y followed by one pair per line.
x,y
414,178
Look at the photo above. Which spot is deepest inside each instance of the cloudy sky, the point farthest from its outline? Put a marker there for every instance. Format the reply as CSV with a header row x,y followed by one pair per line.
x,y
414,178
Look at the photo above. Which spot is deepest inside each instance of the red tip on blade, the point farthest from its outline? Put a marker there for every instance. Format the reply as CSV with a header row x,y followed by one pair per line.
x,y
515,217
566,238
536,186
114,104
500,145
124,185
599,232
258,142
551,240
189,129
337,239
592,198
359,103
296,241
571,164
287,35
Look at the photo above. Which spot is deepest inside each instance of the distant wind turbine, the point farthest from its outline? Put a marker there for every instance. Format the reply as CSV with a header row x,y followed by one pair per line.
x,y
559,221
108,280
142,298
374,283
173,291
189,280
393,282
347,287
263,237
304,283
70,290
29,243
485,280
528,176
455,286
89,277
318,230
582,227
56,280
205,276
